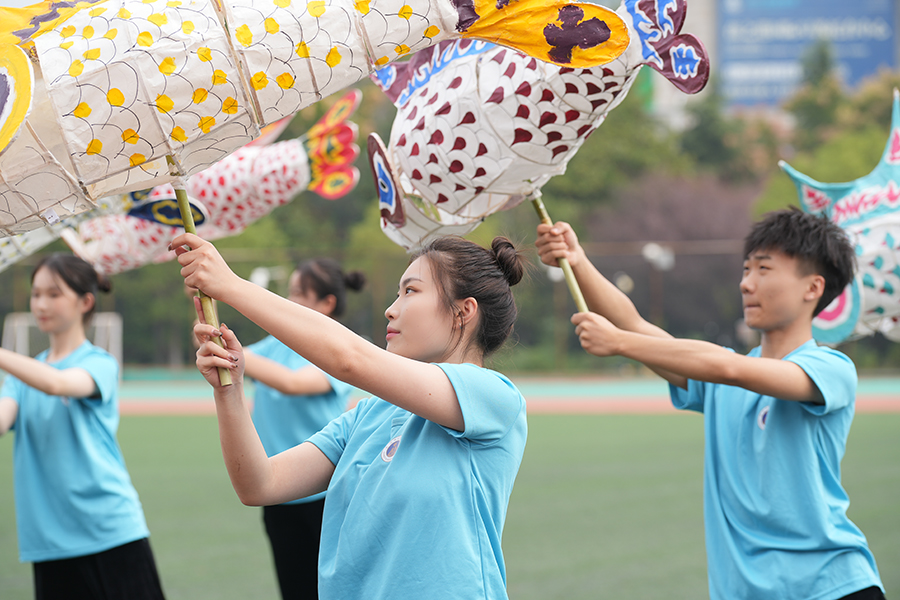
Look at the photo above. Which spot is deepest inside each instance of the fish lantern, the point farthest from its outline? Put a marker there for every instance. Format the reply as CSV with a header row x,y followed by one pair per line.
x,y
868,209
481,128
130,230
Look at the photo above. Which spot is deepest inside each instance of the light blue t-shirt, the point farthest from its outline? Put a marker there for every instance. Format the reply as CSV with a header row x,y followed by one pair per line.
x,y
416,510
774,507
284,421
73,494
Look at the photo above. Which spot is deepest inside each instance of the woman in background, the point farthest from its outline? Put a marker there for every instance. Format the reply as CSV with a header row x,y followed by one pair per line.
x,y
295,399
78,516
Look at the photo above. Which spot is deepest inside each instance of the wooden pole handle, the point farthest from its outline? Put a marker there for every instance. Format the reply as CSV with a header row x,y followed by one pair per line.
x,y
574,289
206,303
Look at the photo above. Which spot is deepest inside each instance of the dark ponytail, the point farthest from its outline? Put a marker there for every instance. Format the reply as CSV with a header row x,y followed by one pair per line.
x,y
325,278
464,269
79,275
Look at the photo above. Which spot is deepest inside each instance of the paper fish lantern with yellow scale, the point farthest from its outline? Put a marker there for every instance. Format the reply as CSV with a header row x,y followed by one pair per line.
x,y
123,95
128,231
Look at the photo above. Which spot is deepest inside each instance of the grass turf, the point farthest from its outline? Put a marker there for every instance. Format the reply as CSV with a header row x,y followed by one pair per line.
x,y
604,507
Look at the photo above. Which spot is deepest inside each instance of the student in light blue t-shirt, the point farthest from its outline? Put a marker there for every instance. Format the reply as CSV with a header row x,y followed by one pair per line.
x,y
419,475
776,421
294,399
78,516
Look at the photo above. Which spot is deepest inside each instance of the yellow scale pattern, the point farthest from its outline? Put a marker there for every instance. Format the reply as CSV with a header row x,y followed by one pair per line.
x,y
126,90
296,52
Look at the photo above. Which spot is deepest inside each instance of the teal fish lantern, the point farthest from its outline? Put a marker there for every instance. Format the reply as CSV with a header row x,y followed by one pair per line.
x,y
869,211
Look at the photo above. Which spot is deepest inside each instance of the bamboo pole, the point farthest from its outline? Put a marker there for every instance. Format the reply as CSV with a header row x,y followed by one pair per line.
x,y
577,296
206,303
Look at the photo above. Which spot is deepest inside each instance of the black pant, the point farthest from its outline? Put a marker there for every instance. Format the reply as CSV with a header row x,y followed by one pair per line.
x,y
126,572
872,593
294,531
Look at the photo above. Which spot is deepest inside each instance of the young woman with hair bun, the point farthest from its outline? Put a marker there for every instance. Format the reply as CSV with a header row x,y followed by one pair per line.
x,y
418,475
293,400
78,515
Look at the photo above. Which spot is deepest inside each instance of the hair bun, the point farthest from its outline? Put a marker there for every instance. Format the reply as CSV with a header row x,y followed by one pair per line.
x,y
509,260
355,280
103,283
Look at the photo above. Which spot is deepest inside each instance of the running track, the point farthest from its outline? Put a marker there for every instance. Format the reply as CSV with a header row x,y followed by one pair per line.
x,y
159,393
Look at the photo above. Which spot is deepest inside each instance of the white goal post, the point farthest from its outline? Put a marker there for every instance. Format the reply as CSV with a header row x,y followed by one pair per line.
x,y
20,334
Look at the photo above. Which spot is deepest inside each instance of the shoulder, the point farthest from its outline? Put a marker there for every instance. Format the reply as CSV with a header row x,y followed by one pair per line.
x,y
477,378
101,366
373,407
492,406
89,354
833,373
811,355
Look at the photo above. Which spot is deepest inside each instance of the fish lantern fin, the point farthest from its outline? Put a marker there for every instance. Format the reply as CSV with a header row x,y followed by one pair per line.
x,y
387,185
679,57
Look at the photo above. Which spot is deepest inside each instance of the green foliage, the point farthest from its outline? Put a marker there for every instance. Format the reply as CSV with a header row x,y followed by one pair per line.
x,y
872,103
816,109
707,140
817,103
737,150
817,63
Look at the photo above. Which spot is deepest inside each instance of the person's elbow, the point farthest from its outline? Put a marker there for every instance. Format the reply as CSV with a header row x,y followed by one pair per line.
x,y
351,364
252,495
72,383
55,387
727,372
250,498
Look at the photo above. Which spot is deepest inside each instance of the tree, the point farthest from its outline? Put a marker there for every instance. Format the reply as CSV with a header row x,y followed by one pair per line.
x,y
817,102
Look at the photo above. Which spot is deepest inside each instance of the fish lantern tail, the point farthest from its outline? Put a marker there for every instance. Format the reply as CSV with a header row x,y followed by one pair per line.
x,y
568,34
331,148
679,57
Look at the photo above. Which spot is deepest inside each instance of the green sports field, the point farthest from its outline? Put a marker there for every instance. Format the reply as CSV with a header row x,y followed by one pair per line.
x,y
605,506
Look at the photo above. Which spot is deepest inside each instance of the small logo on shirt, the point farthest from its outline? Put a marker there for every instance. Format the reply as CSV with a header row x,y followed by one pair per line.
x,y
387,454
762,417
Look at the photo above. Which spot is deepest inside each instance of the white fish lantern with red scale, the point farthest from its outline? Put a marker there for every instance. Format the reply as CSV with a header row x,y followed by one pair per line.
x,y
480,128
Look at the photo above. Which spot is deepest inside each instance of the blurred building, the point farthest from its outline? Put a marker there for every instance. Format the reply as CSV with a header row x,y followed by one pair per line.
x,y
756,46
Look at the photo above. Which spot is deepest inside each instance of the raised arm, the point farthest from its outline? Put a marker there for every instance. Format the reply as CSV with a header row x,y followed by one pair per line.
x,y
74,382
306,381
698,360
602,296
418,387
258,479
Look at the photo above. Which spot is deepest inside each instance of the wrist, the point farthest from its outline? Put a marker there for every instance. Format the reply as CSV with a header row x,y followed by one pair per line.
x,y
231,393
620,342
